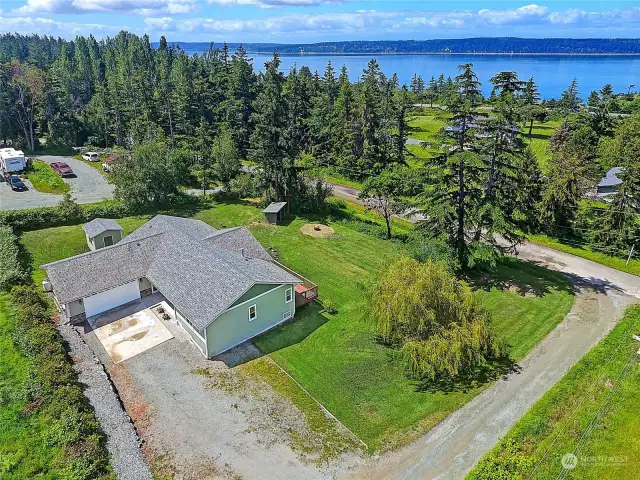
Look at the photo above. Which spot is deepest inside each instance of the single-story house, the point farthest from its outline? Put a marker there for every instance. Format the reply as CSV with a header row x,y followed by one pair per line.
x,y
222,286
609,183
102,232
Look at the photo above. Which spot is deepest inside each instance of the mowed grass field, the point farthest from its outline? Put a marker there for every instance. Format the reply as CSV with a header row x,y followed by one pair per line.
x,y
45,180
591,412
337,357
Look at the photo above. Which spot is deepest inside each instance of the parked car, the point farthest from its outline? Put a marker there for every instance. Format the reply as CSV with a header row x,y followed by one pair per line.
x,y
62,169
91,157
16,183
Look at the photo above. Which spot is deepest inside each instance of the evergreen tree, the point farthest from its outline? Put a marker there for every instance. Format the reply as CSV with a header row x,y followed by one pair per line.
x,y
269,145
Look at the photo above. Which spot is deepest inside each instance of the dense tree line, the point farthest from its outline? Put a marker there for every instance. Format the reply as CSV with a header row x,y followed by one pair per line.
x,y
467,45
176,114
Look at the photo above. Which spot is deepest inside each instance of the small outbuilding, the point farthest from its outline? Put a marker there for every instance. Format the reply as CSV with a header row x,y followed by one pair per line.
x,y
610,183
102,232
274,213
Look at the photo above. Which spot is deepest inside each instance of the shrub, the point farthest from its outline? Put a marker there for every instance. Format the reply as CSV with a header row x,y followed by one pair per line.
x,y
434,319
11,270
53,390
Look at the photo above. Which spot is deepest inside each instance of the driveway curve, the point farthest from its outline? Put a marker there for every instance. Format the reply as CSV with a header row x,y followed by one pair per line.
x,y
453,447
88,186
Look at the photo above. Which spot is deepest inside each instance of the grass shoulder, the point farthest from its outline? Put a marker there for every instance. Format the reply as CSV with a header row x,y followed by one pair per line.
x,y
44,179
593,407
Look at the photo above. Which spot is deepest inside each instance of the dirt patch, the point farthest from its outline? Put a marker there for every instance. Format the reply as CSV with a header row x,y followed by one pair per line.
x,y
317,230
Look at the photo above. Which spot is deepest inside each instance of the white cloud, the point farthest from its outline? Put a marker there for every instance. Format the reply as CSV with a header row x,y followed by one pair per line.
x,y
136,7
276,3
47,26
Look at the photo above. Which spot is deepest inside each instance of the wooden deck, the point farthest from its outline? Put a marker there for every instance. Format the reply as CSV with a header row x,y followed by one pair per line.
x,y
306,292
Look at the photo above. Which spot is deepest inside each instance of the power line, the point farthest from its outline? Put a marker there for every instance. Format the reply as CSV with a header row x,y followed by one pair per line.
x,y
584,397
587,431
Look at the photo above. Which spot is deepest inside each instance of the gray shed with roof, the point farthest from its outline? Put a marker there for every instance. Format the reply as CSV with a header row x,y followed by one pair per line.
x,y
275,212
102,232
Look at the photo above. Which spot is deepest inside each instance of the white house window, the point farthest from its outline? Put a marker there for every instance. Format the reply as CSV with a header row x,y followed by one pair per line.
x,y
288,295
286,315
253,313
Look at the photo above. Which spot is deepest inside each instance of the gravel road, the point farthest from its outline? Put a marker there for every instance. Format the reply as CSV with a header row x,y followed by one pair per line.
x,y
122,440
452,448
89,186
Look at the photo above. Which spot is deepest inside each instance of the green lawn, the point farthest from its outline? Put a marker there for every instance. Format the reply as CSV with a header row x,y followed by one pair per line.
x,y
425,125
601,390
23,452
540,139
44,179
336,357
586,252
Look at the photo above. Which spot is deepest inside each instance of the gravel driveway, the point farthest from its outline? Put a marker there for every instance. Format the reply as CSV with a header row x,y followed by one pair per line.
x,y
453,447
89,186
200,419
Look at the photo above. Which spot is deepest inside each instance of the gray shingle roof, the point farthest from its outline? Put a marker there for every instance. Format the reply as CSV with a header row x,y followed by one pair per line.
x,y
274,207
238,239
199,269
102,269
100,225
611,178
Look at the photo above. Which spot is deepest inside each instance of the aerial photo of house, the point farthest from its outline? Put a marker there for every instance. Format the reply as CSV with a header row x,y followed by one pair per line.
x,y
221,285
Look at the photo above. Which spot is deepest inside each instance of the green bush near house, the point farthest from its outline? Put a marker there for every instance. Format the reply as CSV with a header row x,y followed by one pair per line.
x,y
591,412
44,179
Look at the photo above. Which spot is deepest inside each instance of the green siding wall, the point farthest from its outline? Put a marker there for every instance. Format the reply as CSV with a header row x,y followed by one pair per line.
x,y
233,326
254,292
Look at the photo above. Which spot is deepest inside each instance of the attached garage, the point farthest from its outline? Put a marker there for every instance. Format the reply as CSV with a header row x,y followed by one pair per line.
x,y
103,301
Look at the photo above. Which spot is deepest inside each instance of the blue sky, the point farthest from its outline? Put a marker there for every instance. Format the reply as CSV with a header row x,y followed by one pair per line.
x,y
304,21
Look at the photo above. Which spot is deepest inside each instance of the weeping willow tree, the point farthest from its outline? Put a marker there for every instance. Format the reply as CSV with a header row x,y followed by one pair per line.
x,y
435,320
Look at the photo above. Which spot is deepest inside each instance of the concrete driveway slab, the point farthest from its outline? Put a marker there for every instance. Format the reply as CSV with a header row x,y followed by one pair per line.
x,y
132,335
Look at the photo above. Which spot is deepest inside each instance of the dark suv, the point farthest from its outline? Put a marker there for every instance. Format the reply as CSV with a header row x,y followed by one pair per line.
x,y
16,183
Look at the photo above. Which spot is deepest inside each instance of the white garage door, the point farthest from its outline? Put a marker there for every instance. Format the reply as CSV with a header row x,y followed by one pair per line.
x,y
100,302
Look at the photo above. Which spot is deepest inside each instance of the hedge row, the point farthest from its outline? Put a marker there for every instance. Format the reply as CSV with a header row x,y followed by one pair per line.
x,y
11,270
67,212
52,390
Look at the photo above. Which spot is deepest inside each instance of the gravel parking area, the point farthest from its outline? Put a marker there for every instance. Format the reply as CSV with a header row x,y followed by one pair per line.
x,y
122,440
200,419
89,186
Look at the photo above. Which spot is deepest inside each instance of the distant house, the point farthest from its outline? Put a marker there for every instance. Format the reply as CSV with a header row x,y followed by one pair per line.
x,y
221,286
609,183
102,232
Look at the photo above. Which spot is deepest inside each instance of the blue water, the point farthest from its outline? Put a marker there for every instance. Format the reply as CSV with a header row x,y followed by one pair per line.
x,y
552,73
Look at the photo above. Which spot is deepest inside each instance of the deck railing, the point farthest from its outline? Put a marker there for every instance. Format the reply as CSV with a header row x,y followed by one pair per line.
x,y
311,289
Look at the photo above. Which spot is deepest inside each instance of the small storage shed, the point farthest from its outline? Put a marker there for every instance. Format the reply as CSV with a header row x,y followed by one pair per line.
x,y
102,232
275,212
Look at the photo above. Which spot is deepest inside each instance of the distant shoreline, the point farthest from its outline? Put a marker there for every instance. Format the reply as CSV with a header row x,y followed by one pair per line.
x,y
306,54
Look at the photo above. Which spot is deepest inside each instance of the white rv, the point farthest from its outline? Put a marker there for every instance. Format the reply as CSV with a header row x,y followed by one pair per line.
x,y
11,160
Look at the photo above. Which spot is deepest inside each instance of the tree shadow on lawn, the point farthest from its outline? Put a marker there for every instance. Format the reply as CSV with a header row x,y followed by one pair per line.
x,y
471,379
527,279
